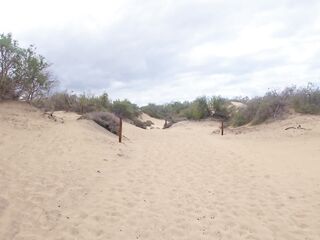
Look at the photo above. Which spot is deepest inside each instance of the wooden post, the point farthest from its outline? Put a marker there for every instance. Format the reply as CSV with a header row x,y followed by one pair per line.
x,y
120,130
222,128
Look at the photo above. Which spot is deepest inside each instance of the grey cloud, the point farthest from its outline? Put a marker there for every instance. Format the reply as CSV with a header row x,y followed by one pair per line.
x,y
145,49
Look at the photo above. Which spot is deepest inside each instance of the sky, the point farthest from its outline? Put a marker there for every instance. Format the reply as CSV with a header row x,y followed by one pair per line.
x,y
163,51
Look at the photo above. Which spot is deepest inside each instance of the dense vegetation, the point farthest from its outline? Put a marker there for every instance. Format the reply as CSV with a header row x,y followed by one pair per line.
x,y
256,110
198,109
275,104
84,103
272,105
24,76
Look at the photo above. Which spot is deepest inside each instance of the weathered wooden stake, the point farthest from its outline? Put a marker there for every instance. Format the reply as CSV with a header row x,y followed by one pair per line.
x,y
120,130
222,128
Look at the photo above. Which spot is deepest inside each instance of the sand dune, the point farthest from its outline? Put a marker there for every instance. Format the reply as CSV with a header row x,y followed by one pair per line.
x,y
73,180
157,123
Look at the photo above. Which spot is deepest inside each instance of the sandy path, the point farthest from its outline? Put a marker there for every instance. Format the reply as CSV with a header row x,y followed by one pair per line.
x,y
74,181
211,190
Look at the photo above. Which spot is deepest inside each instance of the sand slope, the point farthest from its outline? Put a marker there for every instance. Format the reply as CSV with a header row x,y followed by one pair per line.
x,y
72,180
157,123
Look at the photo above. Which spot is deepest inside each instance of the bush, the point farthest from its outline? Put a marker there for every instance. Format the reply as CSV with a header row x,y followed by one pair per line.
x,y
106,120
89,103
174,109
219,107
272,105
307,100
170,110
23,73
197,110
125,109
58,102
63,101
155,111
260,109
240,118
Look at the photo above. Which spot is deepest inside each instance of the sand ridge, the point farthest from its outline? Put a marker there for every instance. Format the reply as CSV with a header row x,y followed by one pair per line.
x,y
157,123
72,180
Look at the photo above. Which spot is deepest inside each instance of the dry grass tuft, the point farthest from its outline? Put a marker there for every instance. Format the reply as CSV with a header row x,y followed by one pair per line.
x,y
106,120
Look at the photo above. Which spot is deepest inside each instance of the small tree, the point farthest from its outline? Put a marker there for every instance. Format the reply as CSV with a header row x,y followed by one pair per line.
x,y
219,107
36,82
9,59
198,109
23,73
307,100
125,109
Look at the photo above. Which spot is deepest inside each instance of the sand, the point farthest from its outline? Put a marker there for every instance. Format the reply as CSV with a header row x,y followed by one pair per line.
x,y
73,180
157,123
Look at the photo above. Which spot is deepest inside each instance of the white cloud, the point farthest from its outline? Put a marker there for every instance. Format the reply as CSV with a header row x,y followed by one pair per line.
x,y
157,51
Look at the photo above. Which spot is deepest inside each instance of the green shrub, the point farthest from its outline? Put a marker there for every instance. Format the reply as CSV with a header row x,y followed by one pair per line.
x,y
90,103
219,106
172,110
197,110
259,109
125,109
271,106
61,101
307,100
24,74
155,111
240,118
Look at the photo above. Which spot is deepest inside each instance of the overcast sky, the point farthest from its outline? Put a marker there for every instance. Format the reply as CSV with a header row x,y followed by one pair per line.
x,y
159,51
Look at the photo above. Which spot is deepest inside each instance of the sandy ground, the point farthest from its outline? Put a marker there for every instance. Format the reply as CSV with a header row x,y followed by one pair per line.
x,y
72,180
157,123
